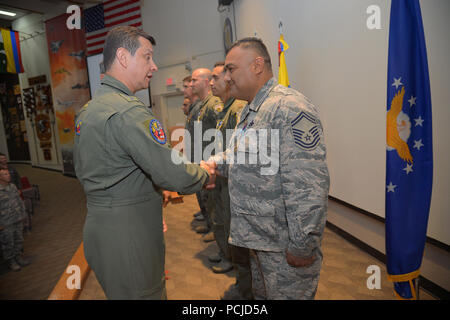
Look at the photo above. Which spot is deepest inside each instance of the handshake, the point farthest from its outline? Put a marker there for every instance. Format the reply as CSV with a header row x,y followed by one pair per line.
x,y
211,167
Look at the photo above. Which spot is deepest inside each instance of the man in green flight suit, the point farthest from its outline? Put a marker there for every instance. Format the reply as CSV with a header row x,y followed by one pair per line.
x,y
123,160
207,109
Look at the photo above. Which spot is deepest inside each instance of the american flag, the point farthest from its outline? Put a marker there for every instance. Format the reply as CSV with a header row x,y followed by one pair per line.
x,y
101,18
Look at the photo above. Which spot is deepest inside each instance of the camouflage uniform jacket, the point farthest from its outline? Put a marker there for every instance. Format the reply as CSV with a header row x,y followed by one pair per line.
x,y
211,106
283,209
12,208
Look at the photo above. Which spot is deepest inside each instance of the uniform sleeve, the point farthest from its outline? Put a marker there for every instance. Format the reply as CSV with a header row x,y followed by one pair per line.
x,y
19,203
167,168
304,177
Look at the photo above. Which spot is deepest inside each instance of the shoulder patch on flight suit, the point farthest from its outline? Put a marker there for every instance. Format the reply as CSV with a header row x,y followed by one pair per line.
x,y
305,129
157,131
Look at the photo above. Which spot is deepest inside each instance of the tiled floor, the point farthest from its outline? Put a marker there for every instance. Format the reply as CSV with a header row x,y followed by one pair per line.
x,y
57,233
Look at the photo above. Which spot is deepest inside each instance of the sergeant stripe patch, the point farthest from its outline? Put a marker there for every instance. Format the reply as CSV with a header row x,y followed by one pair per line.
x,y
305,130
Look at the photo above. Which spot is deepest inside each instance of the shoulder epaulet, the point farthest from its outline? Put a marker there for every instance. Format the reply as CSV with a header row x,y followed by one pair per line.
x,y
130,98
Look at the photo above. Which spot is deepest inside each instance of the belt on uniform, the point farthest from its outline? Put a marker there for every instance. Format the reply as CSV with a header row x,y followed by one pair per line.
x,y
103,201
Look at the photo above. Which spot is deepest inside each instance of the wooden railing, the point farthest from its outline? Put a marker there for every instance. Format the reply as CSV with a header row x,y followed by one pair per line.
x,y
72,280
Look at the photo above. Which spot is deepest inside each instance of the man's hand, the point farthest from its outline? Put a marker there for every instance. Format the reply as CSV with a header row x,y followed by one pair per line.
x,y
166,198
295,261
212,174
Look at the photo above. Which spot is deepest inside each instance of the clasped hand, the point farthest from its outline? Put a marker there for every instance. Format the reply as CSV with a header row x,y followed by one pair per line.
x,y
211,167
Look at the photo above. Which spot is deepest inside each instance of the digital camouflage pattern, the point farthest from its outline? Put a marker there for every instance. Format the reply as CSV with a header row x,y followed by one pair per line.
x,y
12,213
283,209
12,208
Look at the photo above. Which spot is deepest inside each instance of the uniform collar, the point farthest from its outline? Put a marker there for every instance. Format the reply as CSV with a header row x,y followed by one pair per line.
x,y
205,101
191,107
116,84
228,103
262,94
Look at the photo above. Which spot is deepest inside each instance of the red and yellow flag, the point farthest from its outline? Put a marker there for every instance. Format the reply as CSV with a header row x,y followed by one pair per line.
x,y
283,77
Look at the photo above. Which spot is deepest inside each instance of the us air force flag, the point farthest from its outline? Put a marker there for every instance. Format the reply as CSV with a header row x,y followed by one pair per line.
x,y
409,163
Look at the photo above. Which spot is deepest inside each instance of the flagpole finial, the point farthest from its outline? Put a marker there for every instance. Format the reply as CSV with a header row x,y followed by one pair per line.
x,y
280,26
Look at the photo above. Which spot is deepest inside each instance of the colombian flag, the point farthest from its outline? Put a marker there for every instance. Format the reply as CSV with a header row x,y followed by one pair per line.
x,y
283,77
10,57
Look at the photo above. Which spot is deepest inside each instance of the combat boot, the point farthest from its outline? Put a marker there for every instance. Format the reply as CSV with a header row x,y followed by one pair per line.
x,y
202,229
200,217
232,293
22,261
223,267
209,237
215,258
13,266
198,214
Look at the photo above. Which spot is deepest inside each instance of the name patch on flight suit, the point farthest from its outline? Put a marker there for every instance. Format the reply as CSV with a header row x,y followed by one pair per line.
x,y
157,131
305,129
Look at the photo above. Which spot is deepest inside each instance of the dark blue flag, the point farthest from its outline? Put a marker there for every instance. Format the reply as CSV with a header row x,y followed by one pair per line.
x,y
409,159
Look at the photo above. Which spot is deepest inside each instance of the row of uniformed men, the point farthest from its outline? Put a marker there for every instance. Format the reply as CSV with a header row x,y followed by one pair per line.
x,y
208,102
122,158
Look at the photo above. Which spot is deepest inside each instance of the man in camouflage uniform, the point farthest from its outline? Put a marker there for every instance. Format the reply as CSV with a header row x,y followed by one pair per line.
x,y
12,213
192,114
239,256
122,159
208,108
278,213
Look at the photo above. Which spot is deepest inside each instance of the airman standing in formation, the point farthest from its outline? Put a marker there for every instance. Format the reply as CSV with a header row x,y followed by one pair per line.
x,y
189,144
239,256
209,107
279,214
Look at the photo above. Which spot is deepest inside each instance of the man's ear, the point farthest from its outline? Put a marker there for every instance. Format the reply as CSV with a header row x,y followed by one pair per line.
x,y
258,65
122,56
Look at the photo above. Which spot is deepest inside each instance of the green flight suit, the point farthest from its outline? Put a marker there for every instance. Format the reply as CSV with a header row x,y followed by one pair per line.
x,y
122,159
207,115
226,119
